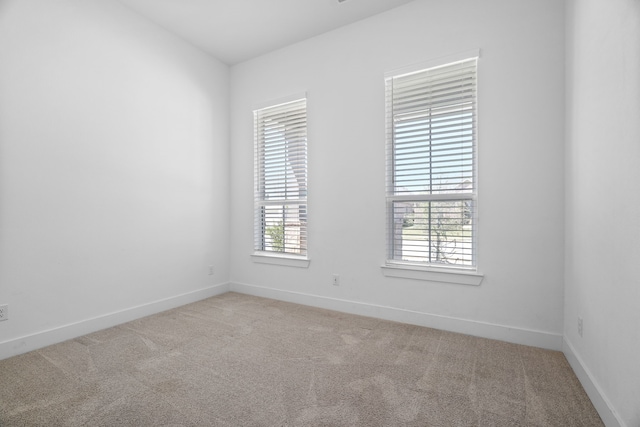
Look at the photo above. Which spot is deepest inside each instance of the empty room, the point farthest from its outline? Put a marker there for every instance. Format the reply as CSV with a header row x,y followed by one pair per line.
x,y
320,213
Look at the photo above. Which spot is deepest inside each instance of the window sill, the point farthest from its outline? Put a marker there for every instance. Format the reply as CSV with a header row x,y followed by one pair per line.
x,y
276,259
433,274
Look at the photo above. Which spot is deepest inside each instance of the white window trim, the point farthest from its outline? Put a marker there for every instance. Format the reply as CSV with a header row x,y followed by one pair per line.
x,y
280,259
278,101
435,62
458,275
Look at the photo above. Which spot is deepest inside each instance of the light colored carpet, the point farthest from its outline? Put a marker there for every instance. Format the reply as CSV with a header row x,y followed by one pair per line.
x,y
238,360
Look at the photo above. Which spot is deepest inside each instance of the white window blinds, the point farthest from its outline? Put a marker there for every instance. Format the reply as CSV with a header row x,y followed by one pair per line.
x,y
281,178
431,165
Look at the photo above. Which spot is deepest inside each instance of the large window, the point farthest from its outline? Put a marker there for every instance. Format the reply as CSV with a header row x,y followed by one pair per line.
x,y
431,166
281,178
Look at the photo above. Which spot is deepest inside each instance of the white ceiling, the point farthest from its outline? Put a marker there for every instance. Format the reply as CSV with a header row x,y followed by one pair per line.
x,y
236,30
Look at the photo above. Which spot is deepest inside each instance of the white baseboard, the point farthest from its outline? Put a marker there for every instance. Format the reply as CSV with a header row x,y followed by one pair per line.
x,y
66,332
470,327
606,411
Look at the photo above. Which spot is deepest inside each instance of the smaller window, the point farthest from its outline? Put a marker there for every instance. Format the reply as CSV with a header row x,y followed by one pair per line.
x,y
431,166
280,133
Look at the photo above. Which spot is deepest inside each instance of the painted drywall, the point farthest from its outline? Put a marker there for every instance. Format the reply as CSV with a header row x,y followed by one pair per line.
x,y
521,158
113,166
603,201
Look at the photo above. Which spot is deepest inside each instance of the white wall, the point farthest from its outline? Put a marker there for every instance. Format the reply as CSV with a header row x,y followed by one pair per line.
x,y
113,169
521,94
603,203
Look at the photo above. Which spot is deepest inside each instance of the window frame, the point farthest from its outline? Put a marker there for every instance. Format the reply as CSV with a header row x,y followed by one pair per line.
x,y
412,269
295,256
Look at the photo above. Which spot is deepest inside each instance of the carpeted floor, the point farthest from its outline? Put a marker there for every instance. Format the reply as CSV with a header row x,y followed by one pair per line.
x,y
238,360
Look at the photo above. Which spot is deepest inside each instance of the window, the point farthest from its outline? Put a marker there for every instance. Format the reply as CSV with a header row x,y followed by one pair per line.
x,y
431,166
281,179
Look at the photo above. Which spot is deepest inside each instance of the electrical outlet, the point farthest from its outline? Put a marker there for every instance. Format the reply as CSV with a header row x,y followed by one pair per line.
x,y
579,325
4,312
211,270
336,280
